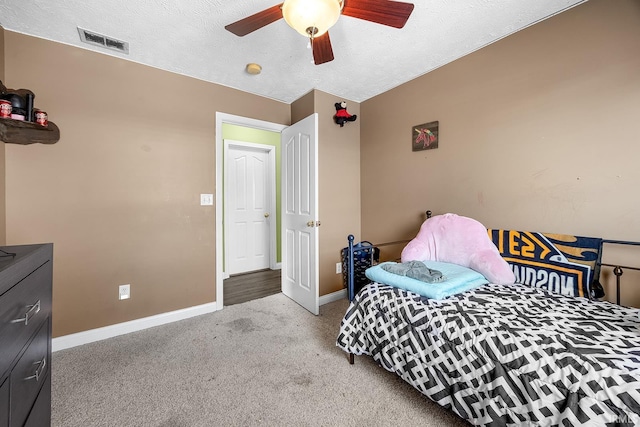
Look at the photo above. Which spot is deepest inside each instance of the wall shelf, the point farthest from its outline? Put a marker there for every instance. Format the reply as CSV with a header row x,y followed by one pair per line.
x,y
21,132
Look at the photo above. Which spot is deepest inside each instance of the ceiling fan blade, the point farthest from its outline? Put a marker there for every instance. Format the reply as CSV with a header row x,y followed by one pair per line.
x,y
322,51
255,21
392,13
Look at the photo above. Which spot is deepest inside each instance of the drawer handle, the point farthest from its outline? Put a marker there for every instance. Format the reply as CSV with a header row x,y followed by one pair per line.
x,y
32,311
39,370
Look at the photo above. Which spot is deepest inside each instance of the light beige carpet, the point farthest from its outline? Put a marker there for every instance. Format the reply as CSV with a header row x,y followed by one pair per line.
x,y
265,362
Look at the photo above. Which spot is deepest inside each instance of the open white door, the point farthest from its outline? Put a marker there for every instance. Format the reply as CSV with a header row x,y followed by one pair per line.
x,y
300,213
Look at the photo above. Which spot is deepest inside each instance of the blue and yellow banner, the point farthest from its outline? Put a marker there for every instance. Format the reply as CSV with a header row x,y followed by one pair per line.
x,y
560,263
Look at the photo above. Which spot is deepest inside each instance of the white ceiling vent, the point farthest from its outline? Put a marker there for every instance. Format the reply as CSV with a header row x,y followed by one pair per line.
x,y
102,40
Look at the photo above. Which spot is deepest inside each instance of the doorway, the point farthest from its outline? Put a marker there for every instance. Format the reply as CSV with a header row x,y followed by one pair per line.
x,y
298,205
251,136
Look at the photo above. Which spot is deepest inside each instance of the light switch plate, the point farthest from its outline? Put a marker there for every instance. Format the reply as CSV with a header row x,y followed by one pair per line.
x,y
206,200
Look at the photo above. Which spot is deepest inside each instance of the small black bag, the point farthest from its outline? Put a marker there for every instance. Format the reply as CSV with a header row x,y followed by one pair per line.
x,y
365,255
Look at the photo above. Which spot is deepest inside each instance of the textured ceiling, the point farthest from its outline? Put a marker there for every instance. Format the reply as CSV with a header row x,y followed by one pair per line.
x,y
188,37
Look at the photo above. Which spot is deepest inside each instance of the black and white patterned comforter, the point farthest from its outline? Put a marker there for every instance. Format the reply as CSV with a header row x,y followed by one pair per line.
x,y
505,355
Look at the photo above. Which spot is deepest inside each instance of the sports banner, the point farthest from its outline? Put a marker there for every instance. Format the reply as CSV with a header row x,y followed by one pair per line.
x,y
560,263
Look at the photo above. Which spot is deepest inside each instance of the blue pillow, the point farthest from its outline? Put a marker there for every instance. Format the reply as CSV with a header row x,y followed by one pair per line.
x,y
457,279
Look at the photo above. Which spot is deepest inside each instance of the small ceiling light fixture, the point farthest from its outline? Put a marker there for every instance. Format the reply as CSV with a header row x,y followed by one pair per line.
x,y
253,68
311,18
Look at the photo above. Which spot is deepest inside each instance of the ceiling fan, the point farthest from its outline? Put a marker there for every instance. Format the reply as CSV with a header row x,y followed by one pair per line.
x,y
313,18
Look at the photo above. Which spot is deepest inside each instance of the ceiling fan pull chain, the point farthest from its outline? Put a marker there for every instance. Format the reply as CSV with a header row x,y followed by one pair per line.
x,y
311,39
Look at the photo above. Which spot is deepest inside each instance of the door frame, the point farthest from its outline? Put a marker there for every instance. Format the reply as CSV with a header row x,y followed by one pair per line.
x,y
271,178
238,121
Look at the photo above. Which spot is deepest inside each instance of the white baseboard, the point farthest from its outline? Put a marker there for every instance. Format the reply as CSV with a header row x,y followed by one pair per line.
x,y
98,334
86,337
334,296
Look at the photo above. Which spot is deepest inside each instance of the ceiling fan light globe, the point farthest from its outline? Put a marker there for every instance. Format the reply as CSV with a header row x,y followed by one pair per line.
x,y
302,15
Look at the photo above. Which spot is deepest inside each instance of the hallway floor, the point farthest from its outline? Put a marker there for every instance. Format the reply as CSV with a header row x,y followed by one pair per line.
x,y
244,287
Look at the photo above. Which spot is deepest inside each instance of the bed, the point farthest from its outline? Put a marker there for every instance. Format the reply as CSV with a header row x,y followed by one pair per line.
x,y
505,354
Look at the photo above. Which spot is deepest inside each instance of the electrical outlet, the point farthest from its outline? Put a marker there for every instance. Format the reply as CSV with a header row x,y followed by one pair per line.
x,y
124,292
338,267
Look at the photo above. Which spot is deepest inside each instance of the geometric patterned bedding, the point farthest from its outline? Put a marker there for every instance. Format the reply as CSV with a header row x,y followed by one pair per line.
x,y
505,355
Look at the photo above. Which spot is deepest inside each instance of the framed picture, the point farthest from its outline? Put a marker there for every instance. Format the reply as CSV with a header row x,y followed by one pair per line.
x,y
424,136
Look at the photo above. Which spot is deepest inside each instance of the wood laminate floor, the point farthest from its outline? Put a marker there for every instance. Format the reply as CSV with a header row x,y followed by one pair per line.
x,y
249,286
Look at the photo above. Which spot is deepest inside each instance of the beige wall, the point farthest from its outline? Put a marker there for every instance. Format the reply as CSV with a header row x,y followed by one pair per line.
x,y
339,185
303,107
118,195
538,131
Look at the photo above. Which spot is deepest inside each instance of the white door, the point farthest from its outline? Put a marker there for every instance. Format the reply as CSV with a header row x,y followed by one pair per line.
x,y
248,207
300,212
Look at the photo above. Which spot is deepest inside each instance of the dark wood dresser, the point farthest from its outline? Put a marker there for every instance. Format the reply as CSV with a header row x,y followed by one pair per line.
x,y
25,335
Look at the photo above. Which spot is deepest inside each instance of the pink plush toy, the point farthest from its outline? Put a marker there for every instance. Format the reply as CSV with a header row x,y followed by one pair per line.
x,y
459,240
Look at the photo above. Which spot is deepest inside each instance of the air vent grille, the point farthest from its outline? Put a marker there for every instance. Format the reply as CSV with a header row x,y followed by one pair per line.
x,y
104,41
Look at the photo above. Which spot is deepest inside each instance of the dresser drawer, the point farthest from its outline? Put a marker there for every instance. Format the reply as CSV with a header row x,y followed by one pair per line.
x,y
40,415
4,404
22,310
28,376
